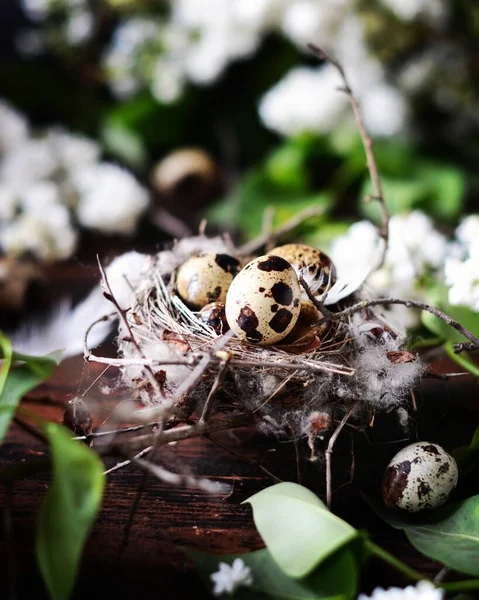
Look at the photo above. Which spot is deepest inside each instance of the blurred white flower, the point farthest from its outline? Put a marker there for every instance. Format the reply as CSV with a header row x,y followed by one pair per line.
x,y
72,150
48,235
79,27
433,11
461,268
27,162
306,99
384,110
36,10
304,22
228,578
110,198
13,127
39,197
424,590
29,42
415,247
8,203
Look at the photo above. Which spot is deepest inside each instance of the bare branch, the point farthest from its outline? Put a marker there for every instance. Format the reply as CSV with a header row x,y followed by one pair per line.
x,y
368,148
254,245
342,315
329,453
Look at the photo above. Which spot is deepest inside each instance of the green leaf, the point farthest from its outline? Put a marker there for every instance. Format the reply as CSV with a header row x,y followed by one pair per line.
x,y
467,457
124,144
6,355
20,380
68,511
286,168
437,296
336,578
449,535
401,195
297,528
447,186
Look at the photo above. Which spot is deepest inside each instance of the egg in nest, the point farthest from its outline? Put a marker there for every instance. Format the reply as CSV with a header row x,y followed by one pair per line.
x,y
314,266
206,278
263,302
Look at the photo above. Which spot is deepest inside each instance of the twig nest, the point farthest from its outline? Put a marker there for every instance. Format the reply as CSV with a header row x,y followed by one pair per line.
x,y
214,315
263,302
421,476
316,268
206,278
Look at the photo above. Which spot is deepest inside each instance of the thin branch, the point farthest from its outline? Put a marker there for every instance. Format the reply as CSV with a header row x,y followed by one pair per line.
x,y
264,237
108,293
177,434
368,147
208,407
329,453
342,315
125,463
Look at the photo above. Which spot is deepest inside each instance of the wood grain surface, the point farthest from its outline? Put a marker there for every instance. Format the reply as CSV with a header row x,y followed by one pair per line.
x,y
170,518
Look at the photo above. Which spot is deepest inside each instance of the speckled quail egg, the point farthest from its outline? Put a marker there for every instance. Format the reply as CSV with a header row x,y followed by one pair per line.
x,y
214,315
263,302
205,278
308,316
316,268
421,476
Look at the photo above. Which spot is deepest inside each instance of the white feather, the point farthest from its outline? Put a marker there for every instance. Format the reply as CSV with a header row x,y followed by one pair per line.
x,y
64,329
343,288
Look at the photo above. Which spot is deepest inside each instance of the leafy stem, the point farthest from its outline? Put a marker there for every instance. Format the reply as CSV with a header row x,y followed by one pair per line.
x,y
394,562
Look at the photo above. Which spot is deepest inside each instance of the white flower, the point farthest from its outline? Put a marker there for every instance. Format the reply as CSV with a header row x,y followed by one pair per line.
x,y
39,197
433,11
79,27
110,198
48,235
27,162
72,150
384,110
228,578
8,203
304,100
468,231
424,590
13,127
414,248
36,10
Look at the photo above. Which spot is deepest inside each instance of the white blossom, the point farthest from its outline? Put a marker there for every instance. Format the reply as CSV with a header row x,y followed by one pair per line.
x,y
49,235
13,127
306,99
72,150
424,590
110,198
27,162
433,11
79,27
384,110
461,268
228,578
415,247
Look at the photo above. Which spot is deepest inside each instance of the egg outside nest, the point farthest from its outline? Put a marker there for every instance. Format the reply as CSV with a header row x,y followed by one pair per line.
x,y
419,477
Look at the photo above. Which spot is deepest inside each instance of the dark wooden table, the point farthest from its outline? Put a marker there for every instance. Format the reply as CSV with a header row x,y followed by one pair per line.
x,y
168,518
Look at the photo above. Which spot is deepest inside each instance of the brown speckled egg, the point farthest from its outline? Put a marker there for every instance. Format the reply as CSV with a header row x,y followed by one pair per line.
x,y
263,302
205,278
421,476
314,266
214,315
308,315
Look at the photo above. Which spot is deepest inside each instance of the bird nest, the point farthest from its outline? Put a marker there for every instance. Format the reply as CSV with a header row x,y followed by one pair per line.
x,y
173,361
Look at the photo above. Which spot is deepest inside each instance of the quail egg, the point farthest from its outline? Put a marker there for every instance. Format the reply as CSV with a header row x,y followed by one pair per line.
x,y
308,316
263,302
316,268
421,476
205,278
214,315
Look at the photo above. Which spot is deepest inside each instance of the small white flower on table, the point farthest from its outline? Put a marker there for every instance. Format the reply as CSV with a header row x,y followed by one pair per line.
x,y
228,578
424,590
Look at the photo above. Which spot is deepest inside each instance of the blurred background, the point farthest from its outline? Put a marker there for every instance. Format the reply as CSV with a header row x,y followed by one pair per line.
x,y
124,123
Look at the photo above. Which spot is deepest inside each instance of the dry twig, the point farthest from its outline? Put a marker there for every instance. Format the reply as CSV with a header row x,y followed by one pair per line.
x,y
368,148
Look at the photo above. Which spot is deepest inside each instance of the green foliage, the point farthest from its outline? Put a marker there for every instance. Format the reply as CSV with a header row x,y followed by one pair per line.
x,y
335,578
467,457
436,188
449,535
68,511
18,379
256,192
297,528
